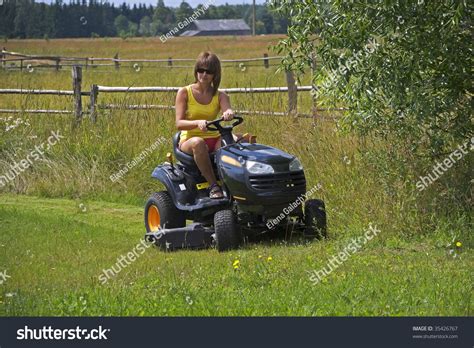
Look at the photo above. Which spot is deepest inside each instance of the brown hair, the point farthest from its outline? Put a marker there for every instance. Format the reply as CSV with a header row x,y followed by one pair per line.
x,y
211,62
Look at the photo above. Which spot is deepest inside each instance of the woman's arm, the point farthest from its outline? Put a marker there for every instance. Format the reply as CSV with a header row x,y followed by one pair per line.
x,y
180,105
224,103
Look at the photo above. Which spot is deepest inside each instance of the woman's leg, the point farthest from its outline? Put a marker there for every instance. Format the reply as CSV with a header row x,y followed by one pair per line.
x,y
246,137
197,147
237,136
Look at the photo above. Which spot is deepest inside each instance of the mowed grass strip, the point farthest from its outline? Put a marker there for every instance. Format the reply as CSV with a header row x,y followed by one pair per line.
x,y
55,249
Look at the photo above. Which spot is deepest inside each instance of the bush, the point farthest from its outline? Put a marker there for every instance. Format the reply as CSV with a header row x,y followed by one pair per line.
x,y
402,68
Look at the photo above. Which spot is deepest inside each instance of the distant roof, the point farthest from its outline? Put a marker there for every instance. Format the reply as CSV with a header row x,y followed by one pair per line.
x,y
190,33
220,24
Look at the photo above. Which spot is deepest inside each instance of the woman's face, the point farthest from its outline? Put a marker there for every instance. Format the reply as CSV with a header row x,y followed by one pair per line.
x,y
205,75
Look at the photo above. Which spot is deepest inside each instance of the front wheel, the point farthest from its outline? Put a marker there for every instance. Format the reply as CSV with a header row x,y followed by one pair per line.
x,y
160,212
315,219
227,231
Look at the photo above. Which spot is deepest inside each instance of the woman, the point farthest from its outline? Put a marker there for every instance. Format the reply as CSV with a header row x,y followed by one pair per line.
x,y
197,104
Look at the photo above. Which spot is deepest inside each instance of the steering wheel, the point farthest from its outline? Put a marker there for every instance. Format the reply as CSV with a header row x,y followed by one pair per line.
x,y
216,124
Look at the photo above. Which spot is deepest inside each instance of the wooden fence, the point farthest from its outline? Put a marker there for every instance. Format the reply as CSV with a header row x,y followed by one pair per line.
x,y
95,90
78,63
10,60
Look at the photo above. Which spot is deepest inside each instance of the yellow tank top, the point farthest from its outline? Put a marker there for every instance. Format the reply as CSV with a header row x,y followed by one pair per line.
x,y
197,111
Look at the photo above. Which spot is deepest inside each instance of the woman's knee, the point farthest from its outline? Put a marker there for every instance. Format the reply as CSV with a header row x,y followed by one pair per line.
x,y
198,145
191,145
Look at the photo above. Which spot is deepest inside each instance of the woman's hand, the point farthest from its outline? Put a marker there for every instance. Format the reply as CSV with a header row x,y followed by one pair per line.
x,y
202,125
228,115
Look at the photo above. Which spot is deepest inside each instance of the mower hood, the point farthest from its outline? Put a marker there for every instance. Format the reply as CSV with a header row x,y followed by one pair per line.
x,y
260,153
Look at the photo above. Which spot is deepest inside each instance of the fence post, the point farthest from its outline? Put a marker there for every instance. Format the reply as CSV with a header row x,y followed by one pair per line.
x,y
76,87
21,65
3,56
314,89
170,61
57,63
94,95
117,64
87,62
265,60
292,93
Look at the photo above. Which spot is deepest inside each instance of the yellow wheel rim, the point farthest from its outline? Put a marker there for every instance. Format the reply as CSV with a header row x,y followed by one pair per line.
x,y
153,218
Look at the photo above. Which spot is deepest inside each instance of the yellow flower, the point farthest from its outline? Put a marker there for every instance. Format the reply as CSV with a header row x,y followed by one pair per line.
x,y
236,264
259,256
458,244
269,258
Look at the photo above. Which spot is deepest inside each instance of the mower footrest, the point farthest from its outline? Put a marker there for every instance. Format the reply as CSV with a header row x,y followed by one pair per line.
x,y
192,236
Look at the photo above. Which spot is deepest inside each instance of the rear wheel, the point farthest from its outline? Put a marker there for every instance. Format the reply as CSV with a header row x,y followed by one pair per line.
x,y
227,231
315,219
161,212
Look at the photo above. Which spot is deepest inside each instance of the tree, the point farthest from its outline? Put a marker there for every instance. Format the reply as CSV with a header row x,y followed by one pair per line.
x,y
280,24
158,27
184,11
8,15
226,11
132,29
107,22
260,28
163,14
121,25
401,67
23,9
145,28
211,13
266,18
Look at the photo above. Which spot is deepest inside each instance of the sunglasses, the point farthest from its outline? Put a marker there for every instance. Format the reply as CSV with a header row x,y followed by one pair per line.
x,y
202,71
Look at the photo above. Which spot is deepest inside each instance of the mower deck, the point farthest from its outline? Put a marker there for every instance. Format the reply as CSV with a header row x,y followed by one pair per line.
x,y
194,236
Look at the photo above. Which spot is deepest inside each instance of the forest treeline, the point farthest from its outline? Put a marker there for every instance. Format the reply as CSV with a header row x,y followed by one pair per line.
x,y
30,19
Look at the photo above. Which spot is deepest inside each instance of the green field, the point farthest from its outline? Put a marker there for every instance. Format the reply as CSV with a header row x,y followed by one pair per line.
x,y
54,252
63,221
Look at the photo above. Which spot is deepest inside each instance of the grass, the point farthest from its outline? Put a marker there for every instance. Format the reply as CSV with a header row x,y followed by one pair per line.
x,y
54,252
63,220
149,74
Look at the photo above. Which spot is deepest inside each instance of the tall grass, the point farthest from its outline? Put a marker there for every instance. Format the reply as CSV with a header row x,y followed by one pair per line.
x,y
362,179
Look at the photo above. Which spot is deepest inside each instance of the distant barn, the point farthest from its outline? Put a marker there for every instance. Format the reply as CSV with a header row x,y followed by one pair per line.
x,y
211,27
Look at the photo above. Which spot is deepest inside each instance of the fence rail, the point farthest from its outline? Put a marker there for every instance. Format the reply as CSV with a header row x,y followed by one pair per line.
x,y
39,91
86,62
35,111
77,93
175,89
292,89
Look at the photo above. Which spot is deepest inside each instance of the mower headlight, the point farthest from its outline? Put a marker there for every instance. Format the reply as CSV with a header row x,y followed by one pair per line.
x,y
231,161
259,168
295,165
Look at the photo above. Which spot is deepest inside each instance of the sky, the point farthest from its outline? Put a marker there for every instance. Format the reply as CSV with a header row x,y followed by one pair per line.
x,y
174,3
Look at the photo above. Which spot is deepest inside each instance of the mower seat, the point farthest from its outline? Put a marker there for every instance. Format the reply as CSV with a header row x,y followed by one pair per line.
x,y
186,159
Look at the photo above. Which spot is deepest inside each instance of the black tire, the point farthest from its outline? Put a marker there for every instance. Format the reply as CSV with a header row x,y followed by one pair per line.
x,y
315,219
227,231
160,211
